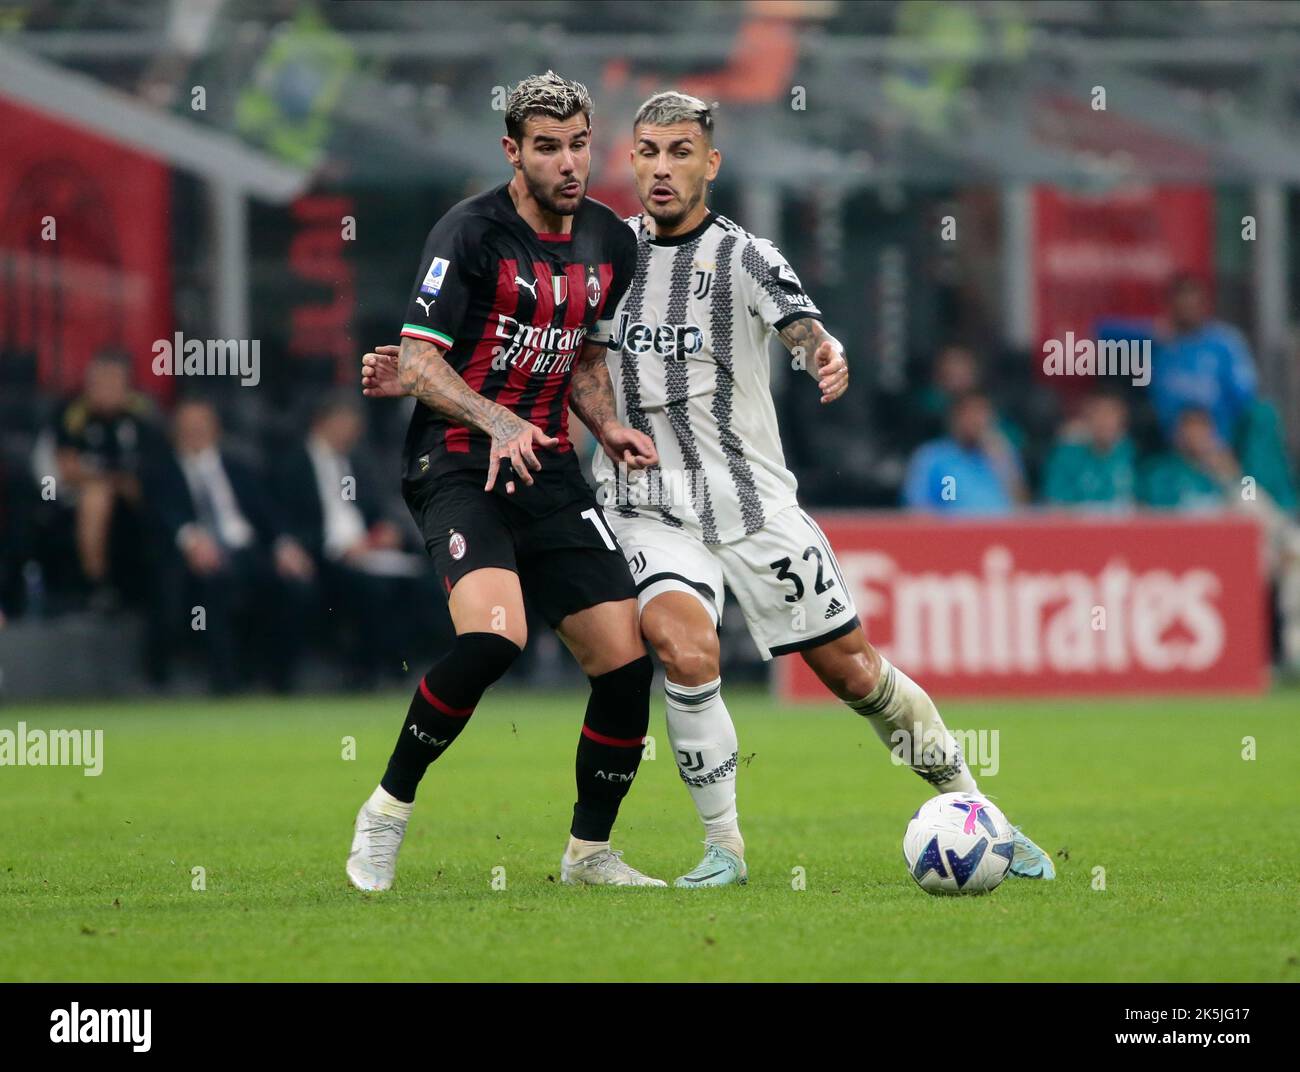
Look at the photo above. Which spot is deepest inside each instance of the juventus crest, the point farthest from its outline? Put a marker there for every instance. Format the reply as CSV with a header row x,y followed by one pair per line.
x,y
702,280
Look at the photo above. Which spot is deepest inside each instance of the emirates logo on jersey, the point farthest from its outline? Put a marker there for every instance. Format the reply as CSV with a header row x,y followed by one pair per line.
x,y
537,349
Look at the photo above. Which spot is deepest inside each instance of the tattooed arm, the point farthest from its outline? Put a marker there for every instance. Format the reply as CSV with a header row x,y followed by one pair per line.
x,y
807,336
591,397
423,374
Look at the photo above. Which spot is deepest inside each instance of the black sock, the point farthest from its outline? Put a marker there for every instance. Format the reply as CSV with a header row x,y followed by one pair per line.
x,y
609,750
442,705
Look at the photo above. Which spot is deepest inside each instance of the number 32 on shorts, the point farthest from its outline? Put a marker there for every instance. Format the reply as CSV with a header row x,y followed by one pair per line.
x,y
784,573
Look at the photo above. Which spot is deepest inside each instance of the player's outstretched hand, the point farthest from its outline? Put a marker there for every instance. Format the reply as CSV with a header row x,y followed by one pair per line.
x,y
379,373
635,449
513,439
832,370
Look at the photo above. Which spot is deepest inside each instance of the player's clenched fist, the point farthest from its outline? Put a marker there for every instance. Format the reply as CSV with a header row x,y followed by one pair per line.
x,y
832,369
635,449
379,373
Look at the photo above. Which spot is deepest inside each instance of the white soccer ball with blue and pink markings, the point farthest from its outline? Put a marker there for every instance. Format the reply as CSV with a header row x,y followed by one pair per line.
x,y
958,843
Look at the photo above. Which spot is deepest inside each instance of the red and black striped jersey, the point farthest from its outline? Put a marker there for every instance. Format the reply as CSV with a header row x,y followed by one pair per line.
x,y
511,309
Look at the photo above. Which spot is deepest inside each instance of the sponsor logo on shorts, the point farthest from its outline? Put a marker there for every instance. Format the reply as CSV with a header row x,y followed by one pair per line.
x,y
457,546
835,608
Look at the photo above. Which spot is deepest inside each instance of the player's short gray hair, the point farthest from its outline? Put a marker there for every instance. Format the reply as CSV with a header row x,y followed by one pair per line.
x,y
545,94
673,107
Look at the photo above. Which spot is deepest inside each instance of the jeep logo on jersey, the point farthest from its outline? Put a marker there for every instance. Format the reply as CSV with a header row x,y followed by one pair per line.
x,y
677,341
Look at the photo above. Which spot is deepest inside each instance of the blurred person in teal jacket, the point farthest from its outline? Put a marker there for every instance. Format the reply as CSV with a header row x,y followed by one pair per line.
x,y
1202,474
1094,465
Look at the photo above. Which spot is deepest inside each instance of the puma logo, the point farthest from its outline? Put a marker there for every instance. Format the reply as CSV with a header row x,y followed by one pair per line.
x,y
532,287
426,307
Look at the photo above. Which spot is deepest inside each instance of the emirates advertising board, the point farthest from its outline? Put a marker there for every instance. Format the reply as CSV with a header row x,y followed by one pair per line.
x,y
1055,605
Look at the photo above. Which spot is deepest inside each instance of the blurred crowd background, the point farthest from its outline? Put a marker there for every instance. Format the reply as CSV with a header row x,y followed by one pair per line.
x,y
956,184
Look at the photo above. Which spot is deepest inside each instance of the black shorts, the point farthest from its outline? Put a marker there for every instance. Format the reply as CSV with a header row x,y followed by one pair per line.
x,y
553,535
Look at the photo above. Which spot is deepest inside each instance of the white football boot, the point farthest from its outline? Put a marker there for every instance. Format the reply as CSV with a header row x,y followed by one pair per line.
x,y
604,868
373,859
720,867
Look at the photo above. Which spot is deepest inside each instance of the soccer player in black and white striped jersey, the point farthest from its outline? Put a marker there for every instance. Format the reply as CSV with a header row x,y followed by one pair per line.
x,y
688,357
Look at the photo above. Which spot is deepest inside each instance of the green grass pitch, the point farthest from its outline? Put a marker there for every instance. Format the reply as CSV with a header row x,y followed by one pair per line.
x,y
96,874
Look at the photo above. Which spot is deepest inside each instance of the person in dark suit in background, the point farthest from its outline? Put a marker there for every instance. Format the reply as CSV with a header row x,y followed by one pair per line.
x,y
221,548
337,515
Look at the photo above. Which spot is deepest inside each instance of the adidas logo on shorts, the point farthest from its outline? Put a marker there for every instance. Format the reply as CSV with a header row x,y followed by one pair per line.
x,y
834,609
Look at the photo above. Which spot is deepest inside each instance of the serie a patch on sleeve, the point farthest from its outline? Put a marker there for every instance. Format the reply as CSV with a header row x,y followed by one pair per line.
x,y
434,276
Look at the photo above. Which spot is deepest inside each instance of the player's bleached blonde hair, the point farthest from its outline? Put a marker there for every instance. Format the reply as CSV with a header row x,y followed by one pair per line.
x,y
673,107
545,94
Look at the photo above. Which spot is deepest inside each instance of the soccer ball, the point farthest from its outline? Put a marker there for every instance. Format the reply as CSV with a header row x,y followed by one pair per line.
x,y
958,843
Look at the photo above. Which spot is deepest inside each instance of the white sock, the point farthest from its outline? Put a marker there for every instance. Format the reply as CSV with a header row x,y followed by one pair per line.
x,y
900,711
382,801
577,849
704,745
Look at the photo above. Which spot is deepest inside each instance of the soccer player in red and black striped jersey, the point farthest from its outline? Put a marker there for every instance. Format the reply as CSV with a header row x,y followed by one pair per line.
x,y
506,329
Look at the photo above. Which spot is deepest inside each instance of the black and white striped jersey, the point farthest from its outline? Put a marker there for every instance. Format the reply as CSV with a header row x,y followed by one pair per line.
x,y
688,356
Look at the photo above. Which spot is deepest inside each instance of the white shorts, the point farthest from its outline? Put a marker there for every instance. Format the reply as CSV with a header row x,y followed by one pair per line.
x,y
784,576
